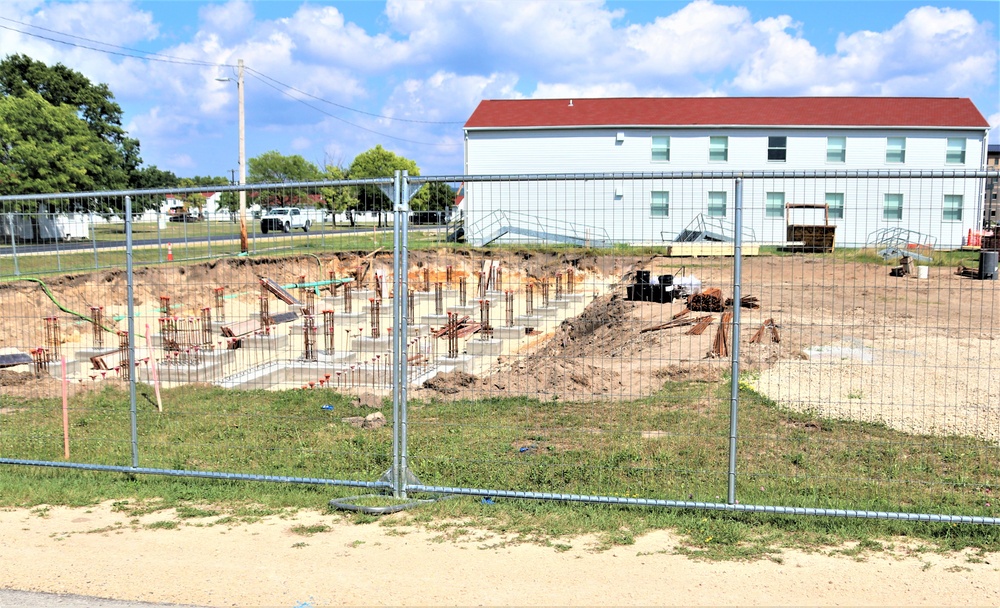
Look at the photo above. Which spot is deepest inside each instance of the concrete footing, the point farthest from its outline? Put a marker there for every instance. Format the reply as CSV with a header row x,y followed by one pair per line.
x,y
480,348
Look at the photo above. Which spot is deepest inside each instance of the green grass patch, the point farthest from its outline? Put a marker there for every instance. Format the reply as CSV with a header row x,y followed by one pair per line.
x,y
672,445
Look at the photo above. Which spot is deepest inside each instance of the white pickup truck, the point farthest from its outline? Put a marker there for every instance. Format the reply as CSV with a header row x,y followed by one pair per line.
x,y
284,219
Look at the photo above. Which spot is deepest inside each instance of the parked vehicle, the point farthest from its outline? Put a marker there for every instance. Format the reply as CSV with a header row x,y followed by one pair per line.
x,y
284,219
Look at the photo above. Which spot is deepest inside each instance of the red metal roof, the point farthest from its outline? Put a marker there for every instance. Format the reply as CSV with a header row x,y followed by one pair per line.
x,y
728,111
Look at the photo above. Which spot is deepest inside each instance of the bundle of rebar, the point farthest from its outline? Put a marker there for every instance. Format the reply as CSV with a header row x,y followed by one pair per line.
x,y
309,338
328,327
670,324
751,302
485,329
509,300
701,324
765,326
220,303
720,346
709,300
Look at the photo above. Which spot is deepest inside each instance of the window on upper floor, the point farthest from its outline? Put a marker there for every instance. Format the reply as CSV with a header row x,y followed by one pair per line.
x,y
956,151
836,149
835,205
716,204
718,148
952,207
895,150
774,205
892,207
661,148
777,148
659,204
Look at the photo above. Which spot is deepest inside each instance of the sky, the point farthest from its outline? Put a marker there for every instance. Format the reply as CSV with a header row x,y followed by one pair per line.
x,y
329,80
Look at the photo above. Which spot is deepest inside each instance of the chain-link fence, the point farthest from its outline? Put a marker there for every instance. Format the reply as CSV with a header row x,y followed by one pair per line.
x,y
797,343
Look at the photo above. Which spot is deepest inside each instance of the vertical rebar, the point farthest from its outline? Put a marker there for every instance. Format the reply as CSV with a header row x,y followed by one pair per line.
x,y
265,313
53,339
309,302
410,299
481,284
164,305
498,280
559,287
220,303
347,298
309,338
509,297
448,275
378,281
97,318
328,326
569,281
427,279
452,332
302,290
485,329
206,326
529,299
40,358
462,291
545,292
376,307
123,344
331,275
438,299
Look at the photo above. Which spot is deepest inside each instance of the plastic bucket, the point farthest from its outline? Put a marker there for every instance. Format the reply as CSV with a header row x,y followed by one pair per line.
x,y
988,265
922,272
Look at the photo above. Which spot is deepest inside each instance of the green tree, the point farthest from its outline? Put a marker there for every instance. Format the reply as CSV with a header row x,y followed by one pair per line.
x,y
337,199
152,178
93,104
274,168
437,196
46,148
379,162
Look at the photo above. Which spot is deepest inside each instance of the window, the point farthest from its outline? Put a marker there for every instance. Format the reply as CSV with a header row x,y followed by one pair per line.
x,y
895,150
835,205
718,148
836,149
716,204
892,208
659,204
661,148
775,205
952,207
777,148
956,151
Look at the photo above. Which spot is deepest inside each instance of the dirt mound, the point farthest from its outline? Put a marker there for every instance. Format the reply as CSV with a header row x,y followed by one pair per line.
x,y
599,330
450,383
12,378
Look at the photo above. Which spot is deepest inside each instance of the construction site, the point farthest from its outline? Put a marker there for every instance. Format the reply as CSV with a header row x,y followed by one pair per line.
x,y
838,337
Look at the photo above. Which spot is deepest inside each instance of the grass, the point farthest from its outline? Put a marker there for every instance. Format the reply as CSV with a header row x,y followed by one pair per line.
x,y
785,458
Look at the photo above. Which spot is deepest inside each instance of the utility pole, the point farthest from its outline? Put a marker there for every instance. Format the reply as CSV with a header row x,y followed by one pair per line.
x,y
244,241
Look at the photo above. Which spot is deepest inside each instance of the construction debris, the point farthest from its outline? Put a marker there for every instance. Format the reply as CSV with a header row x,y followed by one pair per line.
x,y
669,324
683,312
905,268
769,324
709,300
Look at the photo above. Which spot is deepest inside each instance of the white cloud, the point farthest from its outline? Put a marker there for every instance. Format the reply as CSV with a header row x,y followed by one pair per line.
x,y
301,143
994,120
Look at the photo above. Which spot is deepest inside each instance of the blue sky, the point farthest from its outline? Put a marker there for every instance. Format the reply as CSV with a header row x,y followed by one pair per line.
x,y
328,80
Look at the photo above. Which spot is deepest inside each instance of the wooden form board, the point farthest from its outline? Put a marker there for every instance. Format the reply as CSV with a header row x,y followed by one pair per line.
x,y
708,249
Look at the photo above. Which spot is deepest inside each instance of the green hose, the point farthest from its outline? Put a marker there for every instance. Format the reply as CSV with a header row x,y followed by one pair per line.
x,y
48,292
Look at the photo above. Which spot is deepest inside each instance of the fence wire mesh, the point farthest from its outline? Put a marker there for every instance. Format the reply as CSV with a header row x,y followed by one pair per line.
x,y
566,336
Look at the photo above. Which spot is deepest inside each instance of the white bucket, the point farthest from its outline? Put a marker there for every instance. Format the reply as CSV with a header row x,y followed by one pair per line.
x,y
922,272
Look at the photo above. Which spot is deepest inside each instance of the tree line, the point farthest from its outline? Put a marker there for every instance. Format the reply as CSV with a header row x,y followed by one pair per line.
x,y
59,132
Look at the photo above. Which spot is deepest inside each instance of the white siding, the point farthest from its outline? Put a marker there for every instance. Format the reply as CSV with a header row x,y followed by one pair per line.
x,y
593,207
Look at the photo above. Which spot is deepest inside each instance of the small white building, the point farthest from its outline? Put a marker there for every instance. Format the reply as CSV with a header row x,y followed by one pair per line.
x,y
701,136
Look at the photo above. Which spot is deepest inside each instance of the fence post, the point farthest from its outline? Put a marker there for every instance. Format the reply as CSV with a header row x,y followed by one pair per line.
x,y
13,243
403,218
159,239
735,351
93,238
131,332
397,337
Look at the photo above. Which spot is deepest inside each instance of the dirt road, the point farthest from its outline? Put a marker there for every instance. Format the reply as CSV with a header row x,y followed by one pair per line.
x,y
98,552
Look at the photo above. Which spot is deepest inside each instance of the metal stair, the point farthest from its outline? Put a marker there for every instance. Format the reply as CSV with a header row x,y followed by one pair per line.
x,y
501,223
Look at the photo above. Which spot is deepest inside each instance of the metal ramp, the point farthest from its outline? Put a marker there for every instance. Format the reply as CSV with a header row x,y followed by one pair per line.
x,y
899,242
501,223
712,229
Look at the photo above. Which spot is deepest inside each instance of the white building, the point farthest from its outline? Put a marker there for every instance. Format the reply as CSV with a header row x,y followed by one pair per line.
x,y
701,136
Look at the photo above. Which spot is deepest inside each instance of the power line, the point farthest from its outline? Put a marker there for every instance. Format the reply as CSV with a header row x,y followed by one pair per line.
x,y
290,87
141,54
347,122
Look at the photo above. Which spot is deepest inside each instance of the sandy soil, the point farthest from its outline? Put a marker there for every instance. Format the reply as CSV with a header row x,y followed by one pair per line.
x,y
98,552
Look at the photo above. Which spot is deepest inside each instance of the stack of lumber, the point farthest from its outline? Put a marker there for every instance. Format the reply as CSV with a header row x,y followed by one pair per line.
x,y
720,347
763,331
751,302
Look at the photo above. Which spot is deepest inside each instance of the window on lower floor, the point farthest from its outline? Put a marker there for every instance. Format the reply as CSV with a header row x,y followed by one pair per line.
x,y
892,208
835,205
659,204
774,205
952,207
716,204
